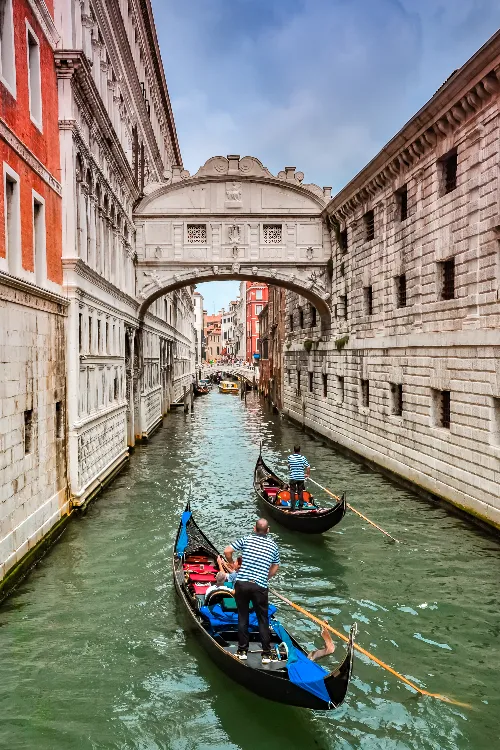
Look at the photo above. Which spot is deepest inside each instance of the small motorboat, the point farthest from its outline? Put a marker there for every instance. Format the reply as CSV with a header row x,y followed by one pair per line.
x,y
274,494
292,678
200,390
228,386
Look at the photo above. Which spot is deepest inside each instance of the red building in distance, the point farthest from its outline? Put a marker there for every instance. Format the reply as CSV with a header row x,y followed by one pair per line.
x,y
256,299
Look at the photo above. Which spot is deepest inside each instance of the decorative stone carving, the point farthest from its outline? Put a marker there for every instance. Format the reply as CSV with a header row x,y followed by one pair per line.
x,y
215,269
235,251
255,270
234,233
233,192
158,252
235,268
310,253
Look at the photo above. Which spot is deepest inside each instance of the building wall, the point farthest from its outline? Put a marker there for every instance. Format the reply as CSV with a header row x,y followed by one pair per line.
x,y
256,299
428,347
33,476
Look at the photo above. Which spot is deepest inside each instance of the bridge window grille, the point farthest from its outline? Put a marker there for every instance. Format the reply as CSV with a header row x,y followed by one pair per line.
x,y
365,393
369,221
402,199
197,234
448,279
401,290
397,399
272,234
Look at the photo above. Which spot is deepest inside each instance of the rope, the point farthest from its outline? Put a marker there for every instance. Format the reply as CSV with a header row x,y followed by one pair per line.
x,y
336,497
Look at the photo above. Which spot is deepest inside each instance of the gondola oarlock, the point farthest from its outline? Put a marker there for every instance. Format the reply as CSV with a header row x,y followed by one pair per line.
x,y
193,551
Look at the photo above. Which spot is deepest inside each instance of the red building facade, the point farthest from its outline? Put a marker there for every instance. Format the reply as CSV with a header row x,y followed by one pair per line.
x,y
256,299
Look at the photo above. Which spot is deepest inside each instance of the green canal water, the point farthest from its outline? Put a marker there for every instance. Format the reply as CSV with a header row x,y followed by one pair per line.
x,y
92,649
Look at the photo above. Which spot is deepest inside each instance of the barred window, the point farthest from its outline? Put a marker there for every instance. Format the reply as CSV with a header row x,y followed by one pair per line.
x,y
197,234
343,240
368,299
365,393
402,199
442,408
369,221
311,382
448,279
301,317
400,282
325,384
272,234
313,316
449,172
340,388
397,399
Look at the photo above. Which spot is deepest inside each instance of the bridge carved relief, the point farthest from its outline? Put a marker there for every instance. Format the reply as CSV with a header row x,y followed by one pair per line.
x,y
234,220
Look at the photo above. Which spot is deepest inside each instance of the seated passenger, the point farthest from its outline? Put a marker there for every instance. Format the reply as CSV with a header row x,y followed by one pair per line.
x,y
220,581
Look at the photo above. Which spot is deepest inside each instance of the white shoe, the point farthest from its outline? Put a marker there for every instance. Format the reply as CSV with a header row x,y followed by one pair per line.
x,y
241,655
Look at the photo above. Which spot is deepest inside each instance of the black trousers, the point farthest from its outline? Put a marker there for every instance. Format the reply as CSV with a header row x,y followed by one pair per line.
x,y
296,485
244,593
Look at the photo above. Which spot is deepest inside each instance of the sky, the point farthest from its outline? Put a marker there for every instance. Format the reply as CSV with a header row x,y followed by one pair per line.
x,y
321,85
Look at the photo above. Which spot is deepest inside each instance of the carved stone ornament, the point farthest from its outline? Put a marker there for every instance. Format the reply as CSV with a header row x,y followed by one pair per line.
x,y
273,272
158,252
233,192
235,268
234,232
215,269
235,251
255,270
317,279
310,253
153,275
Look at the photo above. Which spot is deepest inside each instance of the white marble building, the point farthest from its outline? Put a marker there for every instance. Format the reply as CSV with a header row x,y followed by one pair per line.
x,y
198,325
117,140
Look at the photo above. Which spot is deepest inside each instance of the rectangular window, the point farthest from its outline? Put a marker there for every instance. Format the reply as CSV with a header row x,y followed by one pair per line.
x,y
98,336
217,350
12,222
289,377
90,336
59,420
447,273
365,393
290,320
449,172
272,234
258,309
34,78
343,306
311,382
258,294
28,431
197,234
368,299
80,325
495,421
340,389
397,399
7,48
39,240
402,199
298,382
313,316
116,389
301,317
343,240
400,284
441,404
369,222
325,385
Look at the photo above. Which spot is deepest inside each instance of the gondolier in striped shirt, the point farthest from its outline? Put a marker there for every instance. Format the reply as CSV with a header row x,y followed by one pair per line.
x,y
261,561
299,470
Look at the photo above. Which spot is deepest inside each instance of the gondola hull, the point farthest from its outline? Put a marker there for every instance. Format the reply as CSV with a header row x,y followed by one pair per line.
x,y
313,522
273,685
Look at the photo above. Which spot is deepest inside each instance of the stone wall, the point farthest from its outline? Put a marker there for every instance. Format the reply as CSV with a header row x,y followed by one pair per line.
x,y
33,494
410,375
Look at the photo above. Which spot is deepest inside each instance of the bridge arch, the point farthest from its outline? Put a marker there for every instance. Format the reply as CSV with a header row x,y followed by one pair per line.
x,y
234,220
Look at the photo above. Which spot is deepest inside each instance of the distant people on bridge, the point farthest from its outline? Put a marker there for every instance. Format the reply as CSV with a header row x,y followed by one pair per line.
x,y
299,469
261,562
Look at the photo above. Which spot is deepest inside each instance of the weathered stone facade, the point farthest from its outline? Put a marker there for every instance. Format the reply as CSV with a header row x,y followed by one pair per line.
x,y
272,341
410,378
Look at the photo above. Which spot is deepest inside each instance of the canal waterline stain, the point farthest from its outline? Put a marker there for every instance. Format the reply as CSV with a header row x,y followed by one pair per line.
x,y
93,650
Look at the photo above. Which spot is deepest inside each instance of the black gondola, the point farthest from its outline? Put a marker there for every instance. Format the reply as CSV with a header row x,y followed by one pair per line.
x,y
194,558
314,520
200,390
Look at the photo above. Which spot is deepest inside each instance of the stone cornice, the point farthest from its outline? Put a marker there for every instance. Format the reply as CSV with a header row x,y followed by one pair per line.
x,y
28,157
84,271
73,64
45,21
28,288
458,100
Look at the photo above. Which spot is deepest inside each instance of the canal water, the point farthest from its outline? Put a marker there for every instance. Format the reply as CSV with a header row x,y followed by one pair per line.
x,y
92,649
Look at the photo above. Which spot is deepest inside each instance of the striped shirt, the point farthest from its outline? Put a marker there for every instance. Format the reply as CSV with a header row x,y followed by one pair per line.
x,y
259,553
297,465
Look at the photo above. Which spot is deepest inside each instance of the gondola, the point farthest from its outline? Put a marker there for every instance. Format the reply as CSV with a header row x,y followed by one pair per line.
x,y
194,565
311,520
200,390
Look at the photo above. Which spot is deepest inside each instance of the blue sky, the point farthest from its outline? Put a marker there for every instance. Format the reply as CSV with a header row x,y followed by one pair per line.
x,y
321,85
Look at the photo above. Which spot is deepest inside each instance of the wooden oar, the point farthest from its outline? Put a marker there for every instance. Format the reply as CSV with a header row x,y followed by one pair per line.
x,y
324,624
336,497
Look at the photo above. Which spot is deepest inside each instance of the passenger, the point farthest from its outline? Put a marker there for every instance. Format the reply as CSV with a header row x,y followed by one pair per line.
x,y
299,470
261,562
220,583
329,648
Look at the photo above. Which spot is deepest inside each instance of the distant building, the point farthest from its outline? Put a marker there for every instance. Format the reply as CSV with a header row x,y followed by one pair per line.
x,y
228,341
213,350
199,327
256,298
272,338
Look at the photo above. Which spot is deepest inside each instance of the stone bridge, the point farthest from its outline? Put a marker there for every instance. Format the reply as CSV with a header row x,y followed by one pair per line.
x,y
234,220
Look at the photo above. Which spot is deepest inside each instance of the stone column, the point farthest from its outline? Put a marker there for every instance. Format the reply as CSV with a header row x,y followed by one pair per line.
x,y
129,382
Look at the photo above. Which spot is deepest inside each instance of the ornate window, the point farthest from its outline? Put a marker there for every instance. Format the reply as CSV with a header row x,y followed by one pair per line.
x,y
272,234
197,234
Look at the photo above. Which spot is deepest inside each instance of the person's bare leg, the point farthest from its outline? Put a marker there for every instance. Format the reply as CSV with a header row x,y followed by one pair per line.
x,y
321,652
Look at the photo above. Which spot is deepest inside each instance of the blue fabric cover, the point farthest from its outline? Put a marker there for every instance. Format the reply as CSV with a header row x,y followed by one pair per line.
x,y
182,541
219,618
302,671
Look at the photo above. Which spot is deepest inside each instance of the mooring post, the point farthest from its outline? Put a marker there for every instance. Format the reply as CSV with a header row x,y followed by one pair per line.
x,y
191,390
186,402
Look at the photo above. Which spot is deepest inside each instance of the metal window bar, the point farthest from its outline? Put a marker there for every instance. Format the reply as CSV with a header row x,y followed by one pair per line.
x,y
403,203
369,300
343,240
450,173
340,380
325,385
448,268
311,382
313,316
365,393
445,409
397,399
301,317
401,290
369,219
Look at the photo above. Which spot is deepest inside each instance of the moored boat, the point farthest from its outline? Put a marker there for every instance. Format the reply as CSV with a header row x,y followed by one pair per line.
x,y
273,493
292,678
228,386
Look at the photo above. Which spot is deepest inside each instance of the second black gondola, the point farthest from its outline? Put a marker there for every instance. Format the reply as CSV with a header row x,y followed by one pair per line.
x,y
312,520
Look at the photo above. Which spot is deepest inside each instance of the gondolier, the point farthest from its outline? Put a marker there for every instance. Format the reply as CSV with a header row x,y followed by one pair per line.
x,y
260,563
299,469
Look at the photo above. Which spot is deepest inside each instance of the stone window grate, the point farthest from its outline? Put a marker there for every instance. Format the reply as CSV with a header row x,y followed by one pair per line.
x,y
28,431
272,234
401,290
343,240
397,399
445,409
448,279
313,316
449,165
369,222
402,197
365,393
197,234
311,382
325,384
340,388
368,293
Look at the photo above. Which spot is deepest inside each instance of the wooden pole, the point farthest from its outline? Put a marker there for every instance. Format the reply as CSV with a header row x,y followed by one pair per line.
x,y
186,401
